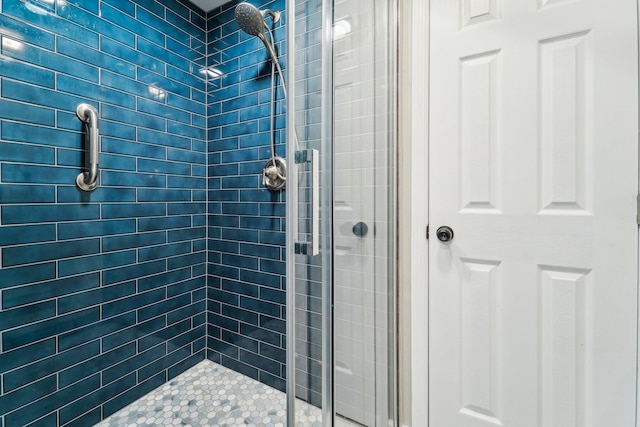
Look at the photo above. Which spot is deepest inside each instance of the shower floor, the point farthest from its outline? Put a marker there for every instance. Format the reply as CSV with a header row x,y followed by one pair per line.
x,y
209,395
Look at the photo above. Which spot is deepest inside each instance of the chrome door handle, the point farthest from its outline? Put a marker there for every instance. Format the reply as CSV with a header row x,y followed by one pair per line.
x,y
311,247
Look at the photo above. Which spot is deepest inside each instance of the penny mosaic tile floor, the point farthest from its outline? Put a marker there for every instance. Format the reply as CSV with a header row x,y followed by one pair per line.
x,y
209,395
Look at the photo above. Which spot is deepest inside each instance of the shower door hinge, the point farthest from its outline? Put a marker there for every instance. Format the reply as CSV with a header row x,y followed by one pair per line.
x,y
638,209
427,231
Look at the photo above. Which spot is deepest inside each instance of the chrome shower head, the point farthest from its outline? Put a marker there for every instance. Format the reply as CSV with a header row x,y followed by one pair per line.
x,y
250,19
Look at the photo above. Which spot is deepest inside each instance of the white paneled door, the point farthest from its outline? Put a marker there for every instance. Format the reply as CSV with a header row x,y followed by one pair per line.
x,y
534,166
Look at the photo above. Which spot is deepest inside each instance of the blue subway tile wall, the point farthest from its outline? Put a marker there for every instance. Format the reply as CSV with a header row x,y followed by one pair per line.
x,y
246,234
102,294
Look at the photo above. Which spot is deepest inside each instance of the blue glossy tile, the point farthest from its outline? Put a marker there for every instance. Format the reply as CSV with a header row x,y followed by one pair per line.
x,y
240,235
16,255
97,397
49,21
278,325
96,296
27,153
186,156
186,208
159,52
129,241
186,287
165,167
49,289
115,162
273,238
93,365
49,60
23,396
271,266
260,223
151,224
123,20
185,75
132,117
273,295
95,92
94,56
186,130
264,279
240,261
95,228
36,174
260,334
163,335
156,78
191,105
185,182
186,234
141,359
20,132
161,110
78,336
95,262
118,146
90,418
133,210
164,195
25,355
126,6
45,367
263,363
27,314
260,250
31,333
27,274
132,272
117,130
60,398
164,251
13,235
163,307
130,179
164,139
29,33
180,17
152,6
187,260
44,213
163,279
25,112
133,393
242,288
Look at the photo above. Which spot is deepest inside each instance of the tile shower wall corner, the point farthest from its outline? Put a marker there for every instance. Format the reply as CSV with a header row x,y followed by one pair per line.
x,y
103,294
246,235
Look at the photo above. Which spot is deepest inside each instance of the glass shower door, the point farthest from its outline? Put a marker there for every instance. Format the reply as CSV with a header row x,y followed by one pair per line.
x,y
309,215
341,220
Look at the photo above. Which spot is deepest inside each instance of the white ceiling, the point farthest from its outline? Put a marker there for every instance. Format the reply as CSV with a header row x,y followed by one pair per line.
x,y
207,5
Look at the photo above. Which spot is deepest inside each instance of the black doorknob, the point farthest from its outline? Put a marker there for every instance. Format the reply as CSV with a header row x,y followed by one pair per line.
x,y
445,234
360,229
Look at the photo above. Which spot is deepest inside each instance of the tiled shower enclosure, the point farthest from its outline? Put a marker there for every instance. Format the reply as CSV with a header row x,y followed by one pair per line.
x,y
104,294
180,254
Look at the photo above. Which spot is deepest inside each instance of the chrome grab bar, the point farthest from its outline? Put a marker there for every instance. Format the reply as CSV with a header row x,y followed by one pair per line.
x,y
88,181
